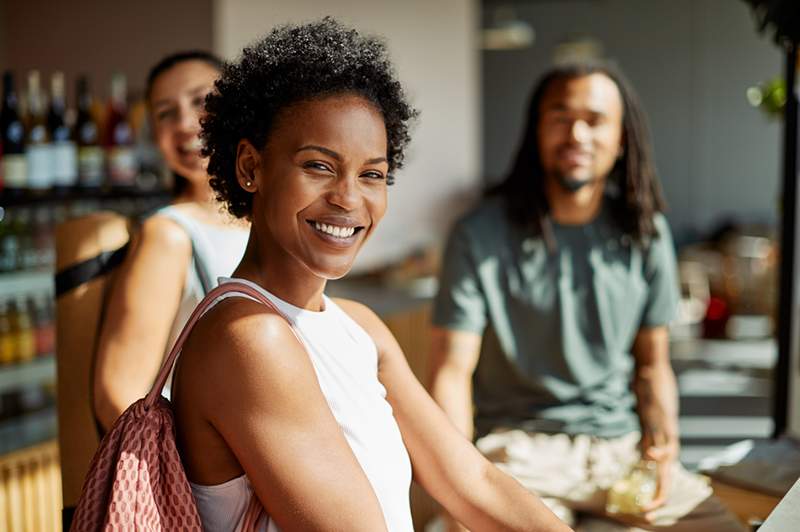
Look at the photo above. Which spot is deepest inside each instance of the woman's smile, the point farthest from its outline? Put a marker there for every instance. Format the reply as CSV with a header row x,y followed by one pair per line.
x,y
336,230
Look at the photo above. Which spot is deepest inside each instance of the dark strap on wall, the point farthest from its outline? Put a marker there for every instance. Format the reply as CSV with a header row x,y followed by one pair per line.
x,y
85,271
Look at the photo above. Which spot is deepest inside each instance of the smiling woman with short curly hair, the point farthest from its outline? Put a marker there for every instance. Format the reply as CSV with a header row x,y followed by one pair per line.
x,y
309,409
292,64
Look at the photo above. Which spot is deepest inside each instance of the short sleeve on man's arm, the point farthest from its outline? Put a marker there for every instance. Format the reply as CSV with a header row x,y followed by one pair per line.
x,y
459,304
660,270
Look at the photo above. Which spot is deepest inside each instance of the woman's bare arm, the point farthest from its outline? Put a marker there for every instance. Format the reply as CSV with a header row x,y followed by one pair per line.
x,y
142,305
445,463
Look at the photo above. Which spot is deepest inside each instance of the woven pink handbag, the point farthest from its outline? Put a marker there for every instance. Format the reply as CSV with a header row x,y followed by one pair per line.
x,y
136,479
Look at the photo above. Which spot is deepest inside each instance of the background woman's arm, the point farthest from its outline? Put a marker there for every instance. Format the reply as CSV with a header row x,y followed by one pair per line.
x,y
142,305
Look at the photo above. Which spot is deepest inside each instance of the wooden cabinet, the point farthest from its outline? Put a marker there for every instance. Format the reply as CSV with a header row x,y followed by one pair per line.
x,y
30,489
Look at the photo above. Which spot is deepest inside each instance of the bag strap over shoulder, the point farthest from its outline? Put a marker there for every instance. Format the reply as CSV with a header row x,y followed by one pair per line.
x,y
226,288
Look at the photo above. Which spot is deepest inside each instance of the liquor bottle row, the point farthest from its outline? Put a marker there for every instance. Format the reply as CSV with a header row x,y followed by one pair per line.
x,y
44,146
27,328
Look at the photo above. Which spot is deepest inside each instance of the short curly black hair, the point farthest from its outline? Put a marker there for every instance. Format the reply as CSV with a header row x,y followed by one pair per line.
x,y
295,63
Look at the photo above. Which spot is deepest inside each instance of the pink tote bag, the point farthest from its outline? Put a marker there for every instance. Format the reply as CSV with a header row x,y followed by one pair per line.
x,y
136,479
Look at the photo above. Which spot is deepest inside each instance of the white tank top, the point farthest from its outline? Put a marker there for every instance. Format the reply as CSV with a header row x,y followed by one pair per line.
x,y
219,248
345,360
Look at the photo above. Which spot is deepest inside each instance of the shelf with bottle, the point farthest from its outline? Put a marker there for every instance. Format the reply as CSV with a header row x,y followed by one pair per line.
x,y
27,361
49,153
27,330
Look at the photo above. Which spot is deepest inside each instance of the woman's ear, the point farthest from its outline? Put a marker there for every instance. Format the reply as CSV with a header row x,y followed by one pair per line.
x,y
248,161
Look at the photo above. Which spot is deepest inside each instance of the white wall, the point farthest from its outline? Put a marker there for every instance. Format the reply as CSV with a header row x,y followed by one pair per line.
x,y
691,62
432,45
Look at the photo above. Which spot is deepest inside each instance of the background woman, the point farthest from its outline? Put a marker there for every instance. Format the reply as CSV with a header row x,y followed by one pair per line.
x,y
159,283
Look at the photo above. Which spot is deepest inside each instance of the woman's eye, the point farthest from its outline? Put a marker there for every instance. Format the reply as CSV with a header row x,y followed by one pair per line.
x,y
166,114
373,175
198,102
316,165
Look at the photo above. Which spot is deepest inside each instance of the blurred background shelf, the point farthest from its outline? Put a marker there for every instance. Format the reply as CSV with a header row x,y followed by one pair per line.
x,y
38,371
25,282
28,198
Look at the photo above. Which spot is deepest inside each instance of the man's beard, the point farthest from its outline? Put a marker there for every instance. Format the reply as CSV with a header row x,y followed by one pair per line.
x,y
571,184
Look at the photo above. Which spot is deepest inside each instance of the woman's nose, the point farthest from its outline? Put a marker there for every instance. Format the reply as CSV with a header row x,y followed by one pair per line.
x,y
189,120
345,193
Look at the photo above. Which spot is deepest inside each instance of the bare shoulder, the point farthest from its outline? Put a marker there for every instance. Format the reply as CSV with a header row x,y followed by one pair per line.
x,y
162,232
239,349
239,327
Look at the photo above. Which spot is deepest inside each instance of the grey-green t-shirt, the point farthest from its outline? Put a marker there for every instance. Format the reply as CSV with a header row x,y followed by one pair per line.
x,y
559,326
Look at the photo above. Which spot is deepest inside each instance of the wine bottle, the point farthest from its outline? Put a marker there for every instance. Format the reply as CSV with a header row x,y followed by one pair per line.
x,y
38,151
38,148
65,152
91,159
12,136
122,167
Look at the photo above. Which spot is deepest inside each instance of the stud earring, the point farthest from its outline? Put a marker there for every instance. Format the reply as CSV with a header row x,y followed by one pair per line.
x,y
248,183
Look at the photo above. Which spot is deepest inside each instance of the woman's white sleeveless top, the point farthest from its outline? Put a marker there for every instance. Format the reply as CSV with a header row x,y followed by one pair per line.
x,y
345,360
219,248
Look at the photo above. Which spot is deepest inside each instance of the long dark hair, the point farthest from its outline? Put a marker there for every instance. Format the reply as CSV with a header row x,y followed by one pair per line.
x,y
633,176
179,182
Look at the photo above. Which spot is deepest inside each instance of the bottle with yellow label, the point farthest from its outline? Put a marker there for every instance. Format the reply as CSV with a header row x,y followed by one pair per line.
x,y
7,349
22,328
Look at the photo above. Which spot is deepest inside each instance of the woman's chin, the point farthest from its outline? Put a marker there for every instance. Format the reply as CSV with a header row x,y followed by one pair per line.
x,y
332,272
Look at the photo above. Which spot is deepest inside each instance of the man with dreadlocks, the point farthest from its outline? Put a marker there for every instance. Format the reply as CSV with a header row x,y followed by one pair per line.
x,y
552,313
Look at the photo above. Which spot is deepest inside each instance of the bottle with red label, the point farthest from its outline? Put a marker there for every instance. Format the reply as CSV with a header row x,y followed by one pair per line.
x,y
120,153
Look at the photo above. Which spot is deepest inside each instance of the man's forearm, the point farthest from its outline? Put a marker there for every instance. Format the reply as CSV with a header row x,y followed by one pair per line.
x,y
657,403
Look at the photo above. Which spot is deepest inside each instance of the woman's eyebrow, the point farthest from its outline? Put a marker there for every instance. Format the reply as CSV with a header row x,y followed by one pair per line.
x,y
326,151
329,152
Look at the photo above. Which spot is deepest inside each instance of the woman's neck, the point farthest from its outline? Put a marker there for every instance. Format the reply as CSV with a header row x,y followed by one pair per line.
x,y
279,273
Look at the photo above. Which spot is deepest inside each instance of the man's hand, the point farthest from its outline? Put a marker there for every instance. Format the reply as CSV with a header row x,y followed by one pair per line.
x,y
664,451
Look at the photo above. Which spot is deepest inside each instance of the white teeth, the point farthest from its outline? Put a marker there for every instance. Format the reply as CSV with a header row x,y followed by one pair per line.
x,y
335,230
193,145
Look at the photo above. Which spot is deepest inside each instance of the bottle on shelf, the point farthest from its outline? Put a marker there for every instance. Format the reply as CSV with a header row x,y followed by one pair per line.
x,y
42,239
38,151
122,163
91,159
43,326
12,137
7,349
22,331
23,228
65,152
9,244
